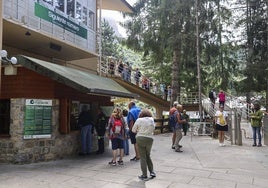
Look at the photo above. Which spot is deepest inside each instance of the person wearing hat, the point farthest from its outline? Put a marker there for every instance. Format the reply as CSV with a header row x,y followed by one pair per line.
x,y
256,124
221,124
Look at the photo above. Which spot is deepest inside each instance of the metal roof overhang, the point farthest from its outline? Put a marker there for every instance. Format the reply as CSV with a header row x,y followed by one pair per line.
x,y
117,5
80,80
14,35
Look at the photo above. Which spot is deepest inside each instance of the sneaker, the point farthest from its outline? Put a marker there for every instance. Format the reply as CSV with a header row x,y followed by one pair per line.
x,y
152,174
178,150
223,144
173,147
142,177
120,162
113,163
220,144
180,146
135,159
259,145
254,145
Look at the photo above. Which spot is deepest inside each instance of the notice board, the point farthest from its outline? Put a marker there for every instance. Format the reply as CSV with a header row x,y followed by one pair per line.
x,y
38,119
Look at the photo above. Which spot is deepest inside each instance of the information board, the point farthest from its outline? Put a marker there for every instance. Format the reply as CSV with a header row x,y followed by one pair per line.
x,y
37,122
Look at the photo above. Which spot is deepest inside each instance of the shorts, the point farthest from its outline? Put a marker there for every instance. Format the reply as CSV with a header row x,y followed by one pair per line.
x,y
221,128
173,129
117,143
132,137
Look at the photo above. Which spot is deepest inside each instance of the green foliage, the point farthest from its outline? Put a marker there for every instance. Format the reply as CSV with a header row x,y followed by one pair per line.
x,y
164,32
108,41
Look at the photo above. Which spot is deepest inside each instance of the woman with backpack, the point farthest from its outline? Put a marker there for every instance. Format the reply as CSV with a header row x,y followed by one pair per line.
x,y
116,127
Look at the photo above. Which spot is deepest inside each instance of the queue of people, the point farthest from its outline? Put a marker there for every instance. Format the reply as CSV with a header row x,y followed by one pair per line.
x,y
134,124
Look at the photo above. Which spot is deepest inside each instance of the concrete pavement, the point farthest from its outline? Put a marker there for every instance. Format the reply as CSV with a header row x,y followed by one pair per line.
x,y
203,164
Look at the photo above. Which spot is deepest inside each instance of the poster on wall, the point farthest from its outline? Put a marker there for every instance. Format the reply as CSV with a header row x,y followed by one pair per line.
x,y
37,121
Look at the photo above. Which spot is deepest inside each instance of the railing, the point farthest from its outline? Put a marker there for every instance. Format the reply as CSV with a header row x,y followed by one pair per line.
x,y
188,98
109,66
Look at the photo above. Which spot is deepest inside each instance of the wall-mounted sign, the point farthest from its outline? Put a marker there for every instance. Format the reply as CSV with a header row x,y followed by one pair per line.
x,y
37,121
59,20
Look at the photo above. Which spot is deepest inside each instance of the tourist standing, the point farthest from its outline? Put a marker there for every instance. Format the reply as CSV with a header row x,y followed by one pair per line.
x,y
126,141
185,125
256,124
144,127
178,128
133,115
100,129
117,135
221,98
85,125
221,124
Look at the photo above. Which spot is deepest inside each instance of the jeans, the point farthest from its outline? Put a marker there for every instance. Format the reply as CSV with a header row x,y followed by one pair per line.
x,y
126,143
86,138
145,146
256,131
126,146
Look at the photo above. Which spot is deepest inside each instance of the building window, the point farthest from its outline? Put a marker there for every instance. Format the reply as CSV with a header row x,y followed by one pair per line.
x,y
59,4
4,117
48,2
91,20
84,16
73,9
78,12
70,8
74,115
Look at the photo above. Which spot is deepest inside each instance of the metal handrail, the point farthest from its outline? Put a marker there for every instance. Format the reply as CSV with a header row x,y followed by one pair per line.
x,y
106,70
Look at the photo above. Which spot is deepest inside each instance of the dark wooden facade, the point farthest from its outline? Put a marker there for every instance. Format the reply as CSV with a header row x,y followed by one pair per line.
x,y
29,84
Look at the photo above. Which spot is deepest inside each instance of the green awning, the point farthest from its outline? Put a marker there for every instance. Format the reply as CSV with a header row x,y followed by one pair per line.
x,y
80,80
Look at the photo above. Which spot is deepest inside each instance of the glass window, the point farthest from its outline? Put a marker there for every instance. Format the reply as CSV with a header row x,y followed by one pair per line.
x,y
59,4
49,1
84,16
74,115
4,117
78,15
91,20
70,8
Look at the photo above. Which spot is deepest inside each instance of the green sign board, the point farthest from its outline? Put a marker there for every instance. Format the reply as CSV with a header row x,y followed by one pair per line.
x,y
61,21
37,122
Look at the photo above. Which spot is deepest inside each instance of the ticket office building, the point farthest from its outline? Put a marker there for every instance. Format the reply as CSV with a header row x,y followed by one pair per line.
x,y
41,96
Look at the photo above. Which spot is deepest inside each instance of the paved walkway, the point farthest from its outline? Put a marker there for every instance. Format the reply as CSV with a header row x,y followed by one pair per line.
x,y
203,164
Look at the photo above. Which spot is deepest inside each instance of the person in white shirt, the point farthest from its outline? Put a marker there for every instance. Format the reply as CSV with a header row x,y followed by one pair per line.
x,y
221,124
144,127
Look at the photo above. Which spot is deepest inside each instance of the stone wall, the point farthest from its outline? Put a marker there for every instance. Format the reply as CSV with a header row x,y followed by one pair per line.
x,y
15,149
